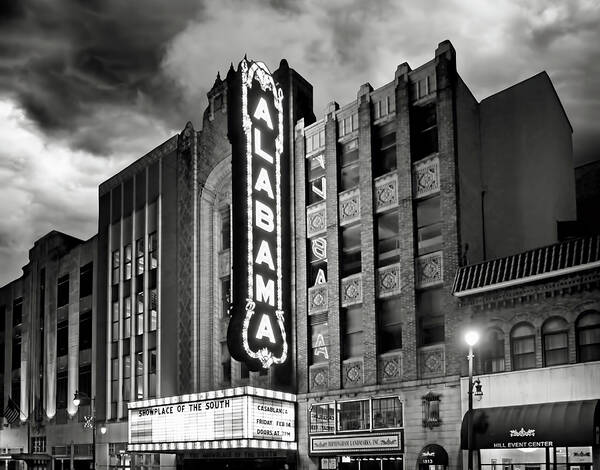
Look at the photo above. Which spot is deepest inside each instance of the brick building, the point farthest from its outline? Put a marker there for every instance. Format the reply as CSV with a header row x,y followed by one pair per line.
x,y
392,194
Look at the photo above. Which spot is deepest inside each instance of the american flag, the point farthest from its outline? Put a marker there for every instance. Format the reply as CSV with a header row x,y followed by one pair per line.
x,y
11,411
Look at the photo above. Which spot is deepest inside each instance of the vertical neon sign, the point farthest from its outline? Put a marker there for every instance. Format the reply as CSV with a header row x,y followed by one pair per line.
x,y
257,328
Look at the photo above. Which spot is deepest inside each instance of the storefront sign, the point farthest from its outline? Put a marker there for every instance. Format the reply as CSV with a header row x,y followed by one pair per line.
x,y
356,443
522,444
244,413
257,333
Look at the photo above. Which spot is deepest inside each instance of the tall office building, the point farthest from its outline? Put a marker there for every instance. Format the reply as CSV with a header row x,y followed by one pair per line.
x,y
391,195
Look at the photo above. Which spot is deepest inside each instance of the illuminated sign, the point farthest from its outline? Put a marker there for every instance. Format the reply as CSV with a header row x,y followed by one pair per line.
x,y
257,333
245,415
357,443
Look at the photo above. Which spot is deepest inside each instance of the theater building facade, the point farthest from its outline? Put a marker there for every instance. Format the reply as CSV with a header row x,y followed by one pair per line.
x,y
280,290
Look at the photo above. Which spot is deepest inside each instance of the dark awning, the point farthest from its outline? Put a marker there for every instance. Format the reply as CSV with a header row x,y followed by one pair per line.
x,y
32,457
433,454
568,423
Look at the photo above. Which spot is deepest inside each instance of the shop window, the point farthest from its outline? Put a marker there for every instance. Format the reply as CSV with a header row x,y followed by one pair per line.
x,y
555,341
153,250
353,415
522,340
319,352
430,316
139,256
38,444
388,243
492,352
431,410
390,325
385,149
115,263
350,262
316,179
225,228
17,311
128,261
352,339
588,336
86,280
424,138
62,291
322,417
85,330
429,225
387,413
225,363
349,165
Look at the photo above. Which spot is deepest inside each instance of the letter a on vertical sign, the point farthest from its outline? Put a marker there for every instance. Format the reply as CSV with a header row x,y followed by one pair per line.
x,y
257,333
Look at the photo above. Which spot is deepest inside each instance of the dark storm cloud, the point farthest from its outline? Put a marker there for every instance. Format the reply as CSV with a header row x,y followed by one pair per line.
x,y
63,60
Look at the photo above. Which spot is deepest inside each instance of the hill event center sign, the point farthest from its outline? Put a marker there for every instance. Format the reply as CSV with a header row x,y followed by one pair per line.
x,y
242,417
259,324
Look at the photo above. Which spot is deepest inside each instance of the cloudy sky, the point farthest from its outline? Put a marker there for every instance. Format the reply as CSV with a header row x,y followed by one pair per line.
x,y
88,86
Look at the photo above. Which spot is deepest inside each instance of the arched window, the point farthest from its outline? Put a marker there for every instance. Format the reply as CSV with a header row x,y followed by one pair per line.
x,y
555,341
588,336
522,343
492,352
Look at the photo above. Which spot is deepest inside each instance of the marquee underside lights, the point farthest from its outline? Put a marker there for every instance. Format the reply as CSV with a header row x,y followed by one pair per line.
x,y
257,333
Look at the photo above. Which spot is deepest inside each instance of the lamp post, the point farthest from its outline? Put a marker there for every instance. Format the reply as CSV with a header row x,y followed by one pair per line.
x,y
77,401
471,338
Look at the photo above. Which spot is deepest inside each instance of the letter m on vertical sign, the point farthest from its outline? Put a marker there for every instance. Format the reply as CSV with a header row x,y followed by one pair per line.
x,y
257,333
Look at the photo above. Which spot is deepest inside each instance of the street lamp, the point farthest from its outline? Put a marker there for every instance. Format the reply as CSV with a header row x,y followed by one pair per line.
x,y
471,338
77,401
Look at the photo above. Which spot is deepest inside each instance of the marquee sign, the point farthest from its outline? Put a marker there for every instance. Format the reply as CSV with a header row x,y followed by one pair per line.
x,y
257,333
244,415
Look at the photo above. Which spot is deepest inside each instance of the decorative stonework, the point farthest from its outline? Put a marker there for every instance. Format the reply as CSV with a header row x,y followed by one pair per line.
x,y
319,377
390,367
352,373
349,206
386,192
316,219
430,269
224,266
432,361
426,174
352,290
388,280
317,299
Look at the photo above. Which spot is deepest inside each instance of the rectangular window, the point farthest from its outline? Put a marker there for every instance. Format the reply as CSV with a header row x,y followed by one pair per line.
x,y
316,189
429,225
61,389
349,164
430,316
85,379
388,243
424,139
128,261
225,296
151,373
85,330
115,321
322,417
244,372
86,280
62,338
387,413
225,229
523,352
350,262
352,332
17,311
126,377
139,375
127,317
139,256
390,325
16,351
153,309
319,333
116,263
556,349
114,366
139,324
225,363
348,124
385,149
62,291
139,303
153,250
353,415
316,141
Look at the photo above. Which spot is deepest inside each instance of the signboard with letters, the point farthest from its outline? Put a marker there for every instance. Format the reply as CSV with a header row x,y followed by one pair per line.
x,y
357,443
243,413
259,326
